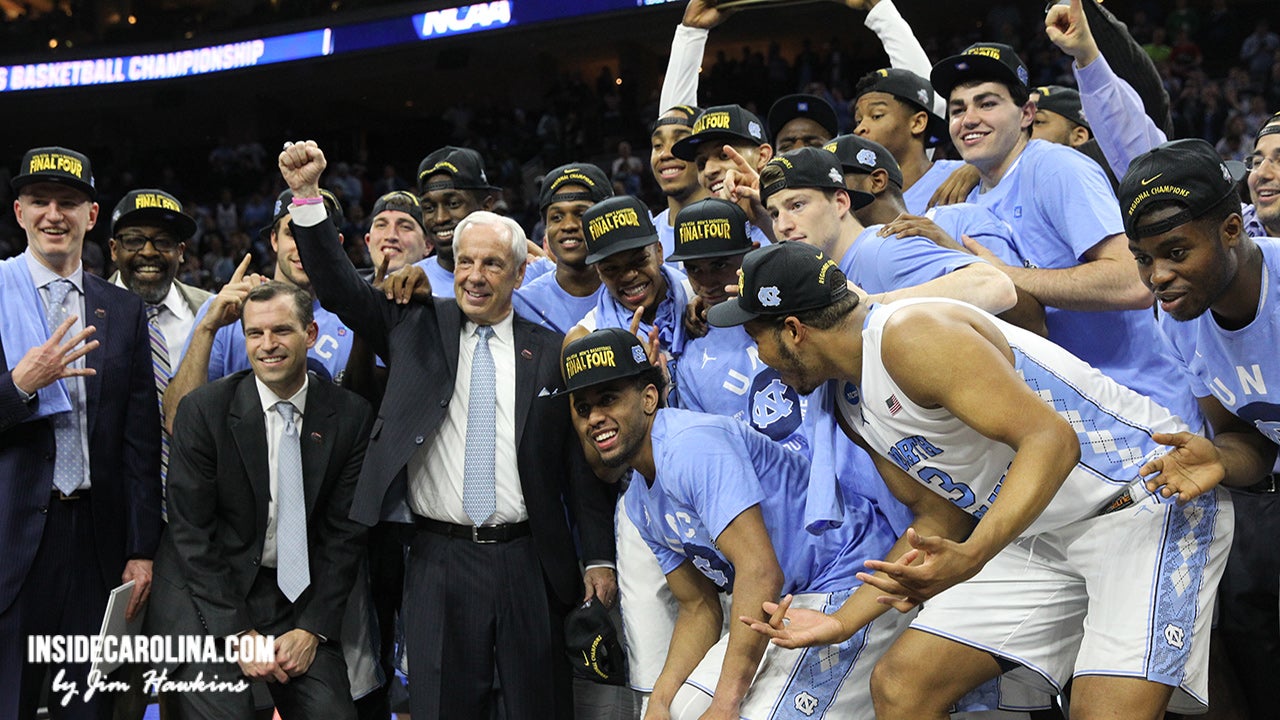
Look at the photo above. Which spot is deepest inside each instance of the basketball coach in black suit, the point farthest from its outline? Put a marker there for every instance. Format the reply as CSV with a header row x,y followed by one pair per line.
x,y
473,436
261,480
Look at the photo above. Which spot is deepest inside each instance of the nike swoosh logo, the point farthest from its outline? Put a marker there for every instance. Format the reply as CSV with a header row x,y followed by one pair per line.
x,y
1151,179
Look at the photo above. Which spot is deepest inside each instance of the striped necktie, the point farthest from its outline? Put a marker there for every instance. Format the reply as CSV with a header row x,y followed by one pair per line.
x,y
161,371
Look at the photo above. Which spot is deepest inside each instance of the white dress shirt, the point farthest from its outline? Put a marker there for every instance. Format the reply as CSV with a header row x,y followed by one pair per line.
x,y
275,426
436,468
42,276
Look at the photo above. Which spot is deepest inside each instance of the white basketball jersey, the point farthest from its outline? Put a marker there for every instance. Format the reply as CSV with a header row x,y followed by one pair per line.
x,y
1114,425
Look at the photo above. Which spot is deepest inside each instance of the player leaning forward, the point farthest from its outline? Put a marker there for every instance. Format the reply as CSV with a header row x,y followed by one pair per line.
x,y
1069,535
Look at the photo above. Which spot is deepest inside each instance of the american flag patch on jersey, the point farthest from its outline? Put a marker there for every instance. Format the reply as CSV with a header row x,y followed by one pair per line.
x,y
894,406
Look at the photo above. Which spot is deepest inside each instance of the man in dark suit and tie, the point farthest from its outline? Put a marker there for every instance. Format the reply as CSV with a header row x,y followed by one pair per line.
x,y
472,434
261,480
79,473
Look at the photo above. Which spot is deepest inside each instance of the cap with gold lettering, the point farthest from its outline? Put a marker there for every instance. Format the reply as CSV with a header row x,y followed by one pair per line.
x,y
150,206
602,356
781,279
575,181
727,124
464,167
710,228
993,62
56,165
808,167
1185,172
1063,101
616,225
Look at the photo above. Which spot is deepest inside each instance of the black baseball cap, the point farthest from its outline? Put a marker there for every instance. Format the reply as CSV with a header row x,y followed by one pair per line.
x,y
808,167
401,201
710,228
860,155
727,124
602,356
912,89
331,204
591,641
789,107
682,115
1064,101
982,61
1187,172
56,165
596,185
150,206
781,279
464,167
615,225
1270,126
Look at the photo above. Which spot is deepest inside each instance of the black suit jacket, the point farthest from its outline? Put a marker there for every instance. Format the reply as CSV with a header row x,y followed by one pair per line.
x,y
124,461
420,344
219,487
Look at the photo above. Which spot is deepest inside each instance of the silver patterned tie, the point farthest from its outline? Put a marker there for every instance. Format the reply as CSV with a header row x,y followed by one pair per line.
x,y
293,568
68,464
479,497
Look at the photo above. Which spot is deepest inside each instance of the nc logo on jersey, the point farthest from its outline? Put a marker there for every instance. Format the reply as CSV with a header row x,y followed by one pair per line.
x,y
774,406
806,704
1174,635
769,296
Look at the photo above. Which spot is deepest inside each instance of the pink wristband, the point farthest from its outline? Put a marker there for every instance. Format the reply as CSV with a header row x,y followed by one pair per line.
x,y
306,201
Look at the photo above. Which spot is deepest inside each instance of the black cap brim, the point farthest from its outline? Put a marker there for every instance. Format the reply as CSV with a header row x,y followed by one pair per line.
x,y
184,224
949,73
728,252
18,183
687,149
621,246
730,313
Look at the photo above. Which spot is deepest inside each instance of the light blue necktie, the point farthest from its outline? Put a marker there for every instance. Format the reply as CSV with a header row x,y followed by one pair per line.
x,y
479,497
68,464
293,567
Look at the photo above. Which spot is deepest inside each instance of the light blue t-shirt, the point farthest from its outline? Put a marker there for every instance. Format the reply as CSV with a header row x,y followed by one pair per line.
x,y
710,469
880,264
544,302
1238,367
537,267
980,224
721,373
917,196
229,354
441,279
1060,205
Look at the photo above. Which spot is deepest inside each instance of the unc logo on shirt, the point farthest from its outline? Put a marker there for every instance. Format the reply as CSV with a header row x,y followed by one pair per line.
x,y
769,296
806,704
1174,635
774,406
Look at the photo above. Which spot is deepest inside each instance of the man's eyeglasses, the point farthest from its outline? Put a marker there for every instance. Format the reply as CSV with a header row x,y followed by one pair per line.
x,y
133,242
1255,161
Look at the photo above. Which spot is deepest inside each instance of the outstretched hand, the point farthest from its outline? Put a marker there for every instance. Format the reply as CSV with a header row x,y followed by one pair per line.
x,y
1193,467
1068,28
51,360
796,627
933,564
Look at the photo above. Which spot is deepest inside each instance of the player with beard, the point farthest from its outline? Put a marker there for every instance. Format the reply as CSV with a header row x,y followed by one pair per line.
x,y
719,506
1033,454
558,300
1215,286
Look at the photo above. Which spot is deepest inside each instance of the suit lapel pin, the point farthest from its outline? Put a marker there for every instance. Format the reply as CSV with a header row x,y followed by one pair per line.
x,y
100,313
527,354
316,437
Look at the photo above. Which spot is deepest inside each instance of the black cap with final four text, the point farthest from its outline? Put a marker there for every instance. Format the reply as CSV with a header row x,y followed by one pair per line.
x,y
56,165
603,356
